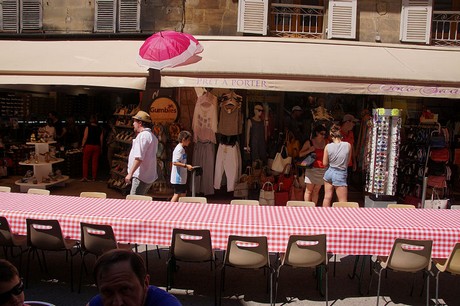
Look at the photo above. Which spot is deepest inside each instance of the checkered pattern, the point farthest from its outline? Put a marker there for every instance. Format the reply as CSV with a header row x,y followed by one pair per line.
x,y
363,231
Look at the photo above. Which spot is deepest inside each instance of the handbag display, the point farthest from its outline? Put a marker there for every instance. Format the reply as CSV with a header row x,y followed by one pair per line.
x,y
285,181
440,155
296,193
436,202
292,145
436,181
280,162
267,195
241,187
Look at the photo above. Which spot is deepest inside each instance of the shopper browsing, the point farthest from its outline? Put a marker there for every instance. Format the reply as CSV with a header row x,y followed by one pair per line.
x,y
180,166
337,155
142,160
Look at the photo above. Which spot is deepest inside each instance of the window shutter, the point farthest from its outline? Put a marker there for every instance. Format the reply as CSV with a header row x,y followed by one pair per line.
x,y
9,18
105,16
129,16
31,15
416,20
342,19
253,16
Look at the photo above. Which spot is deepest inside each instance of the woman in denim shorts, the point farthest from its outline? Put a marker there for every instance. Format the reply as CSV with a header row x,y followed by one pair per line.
x,y
336,158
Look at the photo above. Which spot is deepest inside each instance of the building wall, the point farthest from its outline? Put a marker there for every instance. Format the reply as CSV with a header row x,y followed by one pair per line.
x,y
379,19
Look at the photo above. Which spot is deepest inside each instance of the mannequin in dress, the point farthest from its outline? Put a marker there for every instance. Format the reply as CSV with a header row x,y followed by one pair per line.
x,y
256,135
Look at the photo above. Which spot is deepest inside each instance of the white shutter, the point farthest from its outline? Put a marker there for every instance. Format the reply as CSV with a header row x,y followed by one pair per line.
x,y
9,17
105,16
253,16
342,19
416,20
129,13
31,15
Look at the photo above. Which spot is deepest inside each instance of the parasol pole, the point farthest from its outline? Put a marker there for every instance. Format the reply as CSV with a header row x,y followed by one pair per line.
x,y
151,88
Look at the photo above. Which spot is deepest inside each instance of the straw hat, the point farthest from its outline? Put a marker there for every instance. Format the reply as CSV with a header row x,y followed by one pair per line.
x,y
142,116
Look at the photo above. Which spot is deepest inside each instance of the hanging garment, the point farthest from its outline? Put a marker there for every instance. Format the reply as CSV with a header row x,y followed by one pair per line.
x,y
230,118
227,162
204,156
204,124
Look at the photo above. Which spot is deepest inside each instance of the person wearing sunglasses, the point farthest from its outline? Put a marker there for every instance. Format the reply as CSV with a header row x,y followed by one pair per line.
x,y
11,285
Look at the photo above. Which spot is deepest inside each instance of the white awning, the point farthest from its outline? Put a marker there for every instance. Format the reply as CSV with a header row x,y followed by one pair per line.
x,y
262,63
86,63
284,64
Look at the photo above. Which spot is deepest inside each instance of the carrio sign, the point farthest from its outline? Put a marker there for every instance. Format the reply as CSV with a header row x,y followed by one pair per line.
x,y
163,110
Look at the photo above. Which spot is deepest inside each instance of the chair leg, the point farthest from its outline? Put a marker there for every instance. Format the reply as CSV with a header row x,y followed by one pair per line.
x,y
71,269
327,286
146,258
427,289
335,262
378,287
276,276
158,252
355,266
222,283
437,288
28,267
81,272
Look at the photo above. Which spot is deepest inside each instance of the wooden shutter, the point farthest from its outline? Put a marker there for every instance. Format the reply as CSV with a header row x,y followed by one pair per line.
x,y
9,17
31,15
416,20
253,16
105,16
129,15
342,19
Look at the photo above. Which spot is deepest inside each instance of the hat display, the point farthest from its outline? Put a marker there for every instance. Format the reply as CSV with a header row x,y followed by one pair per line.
x,y
349,117
142,116
296,108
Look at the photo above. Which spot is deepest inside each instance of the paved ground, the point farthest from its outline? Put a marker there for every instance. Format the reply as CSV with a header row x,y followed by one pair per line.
x,y
194,285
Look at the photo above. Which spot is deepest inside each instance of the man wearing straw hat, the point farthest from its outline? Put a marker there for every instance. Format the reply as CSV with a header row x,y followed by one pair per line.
x,y
142,161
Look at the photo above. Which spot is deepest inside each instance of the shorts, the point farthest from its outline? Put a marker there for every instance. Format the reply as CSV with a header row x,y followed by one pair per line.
x,y
336,177
179,188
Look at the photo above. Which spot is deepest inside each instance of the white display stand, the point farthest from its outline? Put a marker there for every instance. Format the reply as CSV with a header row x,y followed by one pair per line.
x,y
41,168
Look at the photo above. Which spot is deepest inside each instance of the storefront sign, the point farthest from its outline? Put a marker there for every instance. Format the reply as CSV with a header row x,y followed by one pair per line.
x,y
408,90
163,110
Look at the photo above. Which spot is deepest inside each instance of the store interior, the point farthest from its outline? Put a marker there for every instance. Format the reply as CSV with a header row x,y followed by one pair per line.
x,y
24,110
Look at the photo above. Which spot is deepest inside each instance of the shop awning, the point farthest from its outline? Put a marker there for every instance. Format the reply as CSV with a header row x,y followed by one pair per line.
x,y
321,66
261,63
84,63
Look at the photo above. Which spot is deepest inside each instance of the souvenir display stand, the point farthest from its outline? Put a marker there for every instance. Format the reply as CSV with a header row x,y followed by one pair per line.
x,y
42,162
382,155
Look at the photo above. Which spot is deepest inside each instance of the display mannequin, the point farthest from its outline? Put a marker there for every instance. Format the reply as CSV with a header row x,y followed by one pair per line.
x,y
256,135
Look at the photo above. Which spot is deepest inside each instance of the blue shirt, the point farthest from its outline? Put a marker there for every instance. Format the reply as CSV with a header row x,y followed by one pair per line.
x,y
155,297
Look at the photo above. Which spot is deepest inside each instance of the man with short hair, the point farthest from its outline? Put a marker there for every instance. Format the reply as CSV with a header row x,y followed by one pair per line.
x,y
142,161
11,285
122,279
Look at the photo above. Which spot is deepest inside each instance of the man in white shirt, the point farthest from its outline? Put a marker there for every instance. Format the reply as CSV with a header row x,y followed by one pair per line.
x,y
142,161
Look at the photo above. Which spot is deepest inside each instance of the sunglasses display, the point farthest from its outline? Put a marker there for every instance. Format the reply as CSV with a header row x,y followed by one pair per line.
x,y
16,290
382,152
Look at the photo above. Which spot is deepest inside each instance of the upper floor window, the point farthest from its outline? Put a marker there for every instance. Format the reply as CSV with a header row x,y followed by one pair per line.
x,y
18,16
117,16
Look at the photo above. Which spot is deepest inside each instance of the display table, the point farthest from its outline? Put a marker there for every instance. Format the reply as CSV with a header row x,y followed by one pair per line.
x,y
41,168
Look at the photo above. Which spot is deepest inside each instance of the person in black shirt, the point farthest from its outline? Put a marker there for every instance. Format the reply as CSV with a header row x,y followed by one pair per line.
x,y
92,146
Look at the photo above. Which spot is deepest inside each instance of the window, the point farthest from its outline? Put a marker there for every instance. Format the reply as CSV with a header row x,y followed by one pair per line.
x,y
21,16
342,19
253,16
117,16
416,21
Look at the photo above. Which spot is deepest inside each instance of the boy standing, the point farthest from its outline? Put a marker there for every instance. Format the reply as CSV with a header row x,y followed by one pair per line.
x,y
180,166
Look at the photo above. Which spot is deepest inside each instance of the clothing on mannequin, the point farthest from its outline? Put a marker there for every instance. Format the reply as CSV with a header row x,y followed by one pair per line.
x,y
256,135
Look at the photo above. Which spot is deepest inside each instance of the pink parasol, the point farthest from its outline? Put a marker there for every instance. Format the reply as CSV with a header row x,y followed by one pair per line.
x,y
167,49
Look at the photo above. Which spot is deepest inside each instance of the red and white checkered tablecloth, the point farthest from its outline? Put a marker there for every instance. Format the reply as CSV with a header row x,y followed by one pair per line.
x,y
363,231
